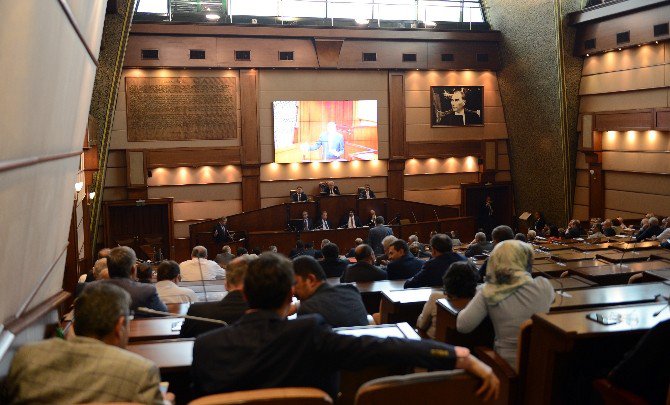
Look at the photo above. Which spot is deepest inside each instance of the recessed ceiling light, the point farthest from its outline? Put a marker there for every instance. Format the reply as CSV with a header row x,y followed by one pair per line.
x,y
212,17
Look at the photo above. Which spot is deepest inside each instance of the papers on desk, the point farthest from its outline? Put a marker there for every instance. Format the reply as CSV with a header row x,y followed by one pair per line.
x,y
176,326
382,332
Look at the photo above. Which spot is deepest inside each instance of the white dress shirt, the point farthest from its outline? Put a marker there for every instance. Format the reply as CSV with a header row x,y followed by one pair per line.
x,y
171,293
190,270
664,236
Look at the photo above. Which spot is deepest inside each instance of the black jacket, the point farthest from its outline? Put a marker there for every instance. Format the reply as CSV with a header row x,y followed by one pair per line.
x,y
229,309
363,271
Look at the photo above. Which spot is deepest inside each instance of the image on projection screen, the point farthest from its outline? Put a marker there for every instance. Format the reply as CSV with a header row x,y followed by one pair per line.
x,y
325,131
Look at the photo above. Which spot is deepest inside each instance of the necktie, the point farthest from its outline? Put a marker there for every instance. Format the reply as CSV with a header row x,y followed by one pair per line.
x,y
306,224
351,222
332,191
325,225
367,195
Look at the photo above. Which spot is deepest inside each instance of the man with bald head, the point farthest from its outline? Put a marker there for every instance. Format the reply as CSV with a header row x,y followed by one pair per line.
x,y
364,268
199,268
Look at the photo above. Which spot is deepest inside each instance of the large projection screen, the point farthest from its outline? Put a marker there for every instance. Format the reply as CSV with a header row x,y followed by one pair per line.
x,y
325,131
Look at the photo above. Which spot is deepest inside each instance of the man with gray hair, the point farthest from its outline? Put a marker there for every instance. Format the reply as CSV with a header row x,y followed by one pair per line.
x,y
103,371
377,234
121,265
223,258
229,309
199,267
479,245
652,230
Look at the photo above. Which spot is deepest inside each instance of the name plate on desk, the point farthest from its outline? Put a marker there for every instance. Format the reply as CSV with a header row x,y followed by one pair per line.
x,y
400,330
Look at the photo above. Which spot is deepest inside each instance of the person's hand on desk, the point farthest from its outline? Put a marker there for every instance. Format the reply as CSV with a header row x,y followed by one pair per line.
x,y
490,388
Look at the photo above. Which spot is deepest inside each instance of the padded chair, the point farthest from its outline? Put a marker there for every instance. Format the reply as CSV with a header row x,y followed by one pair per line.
x,y
613,395
273,396
511,381
439,387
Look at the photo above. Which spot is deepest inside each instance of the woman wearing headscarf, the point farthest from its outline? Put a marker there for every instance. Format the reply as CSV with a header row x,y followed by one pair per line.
x,y
509,296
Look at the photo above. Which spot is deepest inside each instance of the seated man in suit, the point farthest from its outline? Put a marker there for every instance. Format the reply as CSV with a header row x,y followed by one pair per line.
x,y
168,276
323,222
377,234
299,195
652,230
298,250
104,371
352,251
329,188
479,245
372,221
221,232
383,259
306,223
574,230
264,350
366,193
364,268
229,309
121,265
331,264
199,267
340,305
433,270
223,258
350,221
309,249
403,264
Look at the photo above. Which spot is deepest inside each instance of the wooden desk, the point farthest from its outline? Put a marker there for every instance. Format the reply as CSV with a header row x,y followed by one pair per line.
x,y
179,308
609,296
630,255
371,291
404,305
661,275
152,329
569,351
576,255
612,274
553,247
662,255
588,247
570,283
626,247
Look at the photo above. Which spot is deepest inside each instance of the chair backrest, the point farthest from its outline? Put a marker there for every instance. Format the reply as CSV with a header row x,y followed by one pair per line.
x,y
291,193
613,395
274,396
440,387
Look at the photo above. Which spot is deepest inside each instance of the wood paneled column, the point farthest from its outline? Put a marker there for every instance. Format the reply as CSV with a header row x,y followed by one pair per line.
x,y
397,152
596,180
250,140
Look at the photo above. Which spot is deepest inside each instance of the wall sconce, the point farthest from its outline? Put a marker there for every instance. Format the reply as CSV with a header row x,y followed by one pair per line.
x,y
78,186
91,194
593,174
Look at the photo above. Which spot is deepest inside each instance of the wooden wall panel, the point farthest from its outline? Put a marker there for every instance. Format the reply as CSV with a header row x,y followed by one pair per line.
x,y
251,194
635,120
658,141
115,177
637,202
193,157
502,177
612,213
424,150
450,165
581,161
397,117
333,170
638,183
631,58
198,192
203,210
450,196
581,211
200,175
582,179
249,113
629,100
419,182
631,162
627,80
662,119
582,195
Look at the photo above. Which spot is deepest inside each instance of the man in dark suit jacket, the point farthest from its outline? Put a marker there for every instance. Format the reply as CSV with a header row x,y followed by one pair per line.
x,y
328,188
309,249
264,350
229,309
403,264
307,223
298,250
653,230
299,195
364,268
499,234
121,265
221,232
340,305
366,193
350,221
479,245
323,222
432,271
372,221
377,234
331,264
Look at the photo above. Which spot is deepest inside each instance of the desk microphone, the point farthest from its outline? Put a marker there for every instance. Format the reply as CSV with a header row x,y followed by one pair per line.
x,y
202,279
195,318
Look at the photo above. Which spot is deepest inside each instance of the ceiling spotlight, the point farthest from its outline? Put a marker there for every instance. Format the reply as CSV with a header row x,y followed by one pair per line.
x,y
361,21
212,17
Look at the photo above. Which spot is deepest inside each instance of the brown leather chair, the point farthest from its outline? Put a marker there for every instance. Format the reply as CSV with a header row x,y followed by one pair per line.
x,y
274,396
511,381
613,395
439,387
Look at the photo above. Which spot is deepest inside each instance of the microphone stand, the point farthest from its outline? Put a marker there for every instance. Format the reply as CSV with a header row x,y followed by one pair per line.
x,y
202,279
195,318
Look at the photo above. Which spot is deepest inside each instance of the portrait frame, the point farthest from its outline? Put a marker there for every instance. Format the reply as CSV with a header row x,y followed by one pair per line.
x,y
442,114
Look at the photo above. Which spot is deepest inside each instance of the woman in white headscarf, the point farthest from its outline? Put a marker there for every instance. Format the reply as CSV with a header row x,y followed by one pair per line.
x,y
509,297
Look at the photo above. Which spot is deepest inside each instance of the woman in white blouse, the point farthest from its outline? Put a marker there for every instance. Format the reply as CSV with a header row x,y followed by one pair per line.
x,y
509,297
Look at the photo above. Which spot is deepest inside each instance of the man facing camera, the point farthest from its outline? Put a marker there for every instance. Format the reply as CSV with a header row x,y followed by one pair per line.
x,y
433,270
350,221
299,195
330,142
403,264
199,268
221,232
323,222
328,188
229,309
264,350
91,366
366,193
340,305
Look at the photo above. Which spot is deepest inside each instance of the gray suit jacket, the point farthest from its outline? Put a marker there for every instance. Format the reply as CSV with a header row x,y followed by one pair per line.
x,y
376,235
142,295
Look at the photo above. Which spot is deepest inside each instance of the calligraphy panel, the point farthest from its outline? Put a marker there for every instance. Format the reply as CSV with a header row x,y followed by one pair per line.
x,y
181,108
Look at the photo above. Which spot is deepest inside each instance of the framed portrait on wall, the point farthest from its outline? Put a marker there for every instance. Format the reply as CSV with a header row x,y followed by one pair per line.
x,y
456,106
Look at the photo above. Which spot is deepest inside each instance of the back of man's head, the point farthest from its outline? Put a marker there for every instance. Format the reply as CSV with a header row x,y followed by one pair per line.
x,y
330,251
460,280
501,233
237,269
104,252
480,237
441,243
299,244
167,270
309,245
520,236
303,266
268,281
324,242
98,267
241,251
387,241
358,241
412,239
120,262
98,308
653,221
379,220
199,252
363,252
226,249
